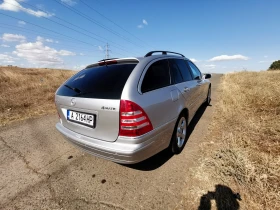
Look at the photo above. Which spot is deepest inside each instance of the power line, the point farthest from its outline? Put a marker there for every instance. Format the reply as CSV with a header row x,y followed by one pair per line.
x,y
31,31
106,40
72,28
95,22
112,21
25,30
47,29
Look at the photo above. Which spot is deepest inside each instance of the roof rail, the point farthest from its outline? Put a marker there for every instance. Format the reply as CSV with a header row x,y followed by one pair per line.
x,y
103,60
163,53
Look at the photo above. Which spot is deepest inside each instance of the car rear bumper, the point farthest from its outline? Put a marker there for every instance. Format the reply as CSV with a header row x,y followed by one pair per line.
x,y
123,150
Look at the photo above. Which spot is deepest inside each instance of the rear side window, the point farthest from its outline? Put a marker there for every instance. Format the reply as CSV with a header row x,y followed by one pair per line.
x,y
184,69
157,76
103,82
175,72
195,71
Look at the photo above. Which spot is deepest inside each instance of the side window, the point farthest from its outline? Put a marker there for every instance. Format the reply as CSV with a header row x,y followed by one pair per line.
x,y
184,69
176,75
157,76
195,71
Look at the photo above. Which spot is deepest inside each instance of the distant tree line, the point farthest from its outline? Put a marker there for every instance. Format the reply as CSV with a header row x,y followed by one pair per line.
x,y
275,65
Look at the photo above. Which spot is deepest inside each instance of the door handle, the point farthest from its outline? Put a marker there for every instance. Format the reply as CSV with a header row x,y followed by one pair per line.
x,y
186,89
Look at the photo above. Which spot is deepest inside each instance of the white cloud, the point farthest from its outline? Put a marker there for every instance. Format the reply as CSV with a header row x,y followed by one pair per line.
x,y
42,39
4,45
265,56
21,23
49,40
79,67
100,48
13,38
210,66
65,53
69,2
82,54
6,59
271,61
229,58
194,60
38,53
10,5
144,23
14,5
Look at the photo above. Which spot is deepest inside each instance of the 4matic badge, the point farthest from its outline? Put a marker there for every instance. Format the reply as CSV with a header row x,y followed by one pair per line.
x,y
108,108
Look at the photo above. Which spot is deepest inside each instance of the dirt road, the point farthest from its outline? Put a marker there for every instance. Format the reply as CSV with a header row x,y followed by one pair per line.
x,y
40,170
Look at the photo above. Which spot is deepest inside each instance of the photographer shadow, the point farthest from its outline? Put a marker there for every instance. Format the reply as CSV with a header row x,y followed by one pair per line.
x,y
224,197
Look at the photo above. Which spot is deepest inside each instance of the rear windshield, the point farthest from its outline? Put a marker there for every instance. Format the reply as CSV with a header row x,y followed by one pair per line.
x,y
104,82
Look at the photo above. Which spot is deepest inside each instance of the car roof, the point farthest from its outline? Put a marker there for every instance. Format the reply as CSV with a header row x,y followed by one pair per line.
x,y
147,58
153,57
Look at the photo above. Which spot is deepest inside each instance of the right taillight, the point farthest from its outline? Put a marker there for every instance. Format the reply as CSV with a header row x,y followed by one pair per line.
x,y
133,120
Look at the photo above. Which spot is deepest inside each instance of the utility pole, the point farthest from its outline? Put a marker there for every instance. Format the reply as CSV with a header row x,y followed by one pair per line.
x,y
107,56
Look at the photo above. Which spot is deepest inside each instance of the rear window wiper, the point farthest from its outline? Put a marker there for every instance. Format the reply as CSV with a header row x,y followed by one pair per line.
x,y
72,88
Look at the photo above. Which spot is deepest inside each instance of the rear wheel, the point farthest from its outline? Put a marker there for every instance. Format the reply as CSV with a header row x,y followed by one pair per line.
x,y
208,99
179,135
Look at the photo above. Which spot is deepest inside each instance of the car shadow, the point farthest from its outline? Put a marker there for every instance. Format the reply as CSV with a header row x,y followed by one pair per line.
x,y
224,198
162,157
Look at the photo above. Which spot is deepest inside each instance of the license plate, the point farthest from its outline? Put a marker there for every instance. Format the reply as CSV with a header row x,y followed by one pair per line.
x,y
81,118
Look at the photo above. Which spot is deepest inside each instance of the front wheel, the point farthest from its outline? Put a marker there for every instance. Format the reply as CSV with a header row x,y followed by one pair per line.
x,y
179,135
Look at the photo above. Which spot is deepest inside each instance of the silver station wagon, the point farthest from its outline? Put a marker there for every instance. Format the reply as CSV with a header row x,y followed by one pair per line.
x,y
127,110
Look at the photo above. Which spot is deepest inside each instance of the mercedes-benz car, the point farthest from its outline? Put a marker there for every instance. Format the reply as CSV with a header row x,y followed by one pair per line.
x,y
128,109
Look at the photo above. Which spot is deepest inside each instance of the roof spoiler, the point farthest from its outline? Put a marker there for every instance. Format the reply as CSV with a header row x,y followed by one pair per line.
x,y
113,61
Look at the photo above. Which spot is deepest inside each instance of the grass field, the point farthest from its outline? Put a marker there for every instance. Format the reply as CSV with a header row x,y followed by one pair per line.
x,y
243,148
27,93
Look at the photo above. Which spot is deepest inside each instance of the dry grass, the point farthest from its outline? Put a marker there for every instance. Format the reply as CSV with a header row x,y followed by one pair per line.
x,y
28,92
243,149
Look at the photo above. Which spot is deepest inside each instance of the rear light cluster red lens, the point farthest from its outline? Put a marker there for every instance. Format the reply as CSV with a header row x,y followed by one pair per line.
x,y
108,62
133,120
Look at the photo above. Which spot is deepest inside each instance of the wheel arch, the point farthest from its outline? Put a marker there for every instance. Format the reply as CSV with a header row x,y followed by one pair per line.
x,y
185,111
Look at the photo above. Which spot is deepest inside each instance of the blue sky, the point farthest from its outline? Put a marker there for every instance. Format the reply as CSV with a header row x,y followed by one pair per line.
x,y
218,35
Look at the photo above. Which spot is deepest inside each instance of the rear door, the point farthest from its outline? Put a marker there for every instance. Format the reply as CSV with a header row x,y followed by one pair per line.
x,y
160,99
187,86
88,103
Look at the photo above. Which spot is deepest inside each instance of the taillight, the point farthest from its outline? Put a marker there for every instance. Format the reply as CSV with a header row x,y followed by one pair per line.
x,y
133,120
107,62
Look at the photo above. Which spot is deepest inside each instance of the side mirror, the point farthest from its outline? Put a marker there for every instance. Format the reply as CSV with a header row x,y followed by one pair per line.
x,y
208,76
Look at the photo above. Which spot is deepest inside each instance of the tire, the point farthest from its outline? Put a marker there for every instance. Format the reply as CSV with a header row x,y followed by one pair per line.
x,y
208,98
179,136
